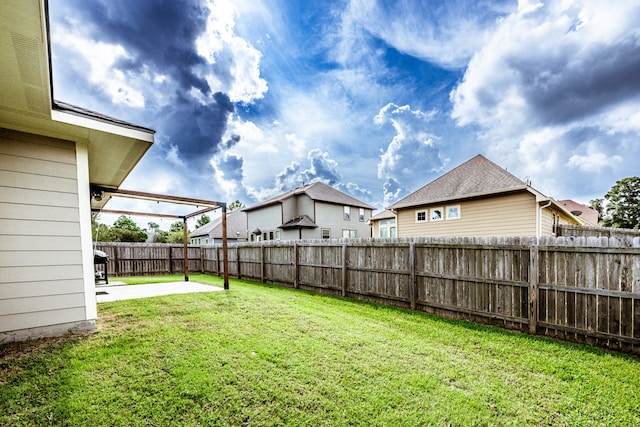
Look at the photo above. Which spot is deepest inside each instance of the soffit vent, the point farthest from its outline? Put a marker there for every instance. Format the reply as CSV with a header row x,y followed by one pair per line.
x,y
28,59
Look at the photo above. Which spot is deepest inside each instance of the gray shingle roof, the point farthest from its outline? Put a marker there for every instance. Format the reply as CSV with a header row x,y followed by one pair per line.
x,y
299,222
236,223
385,214
475,177
316,191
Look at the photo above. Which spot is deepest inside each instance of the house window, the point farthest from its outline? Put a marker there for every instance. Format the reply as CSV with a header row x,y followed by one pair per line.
x,y
271,235
349,234
361,214
453,212
326,233
388,228
347,212
264,236
277,234
421,216
436,214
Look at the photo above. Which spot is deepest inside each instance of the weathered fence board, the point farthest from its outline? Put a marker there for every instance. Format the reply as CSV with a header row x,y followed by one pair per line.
x,y
584,289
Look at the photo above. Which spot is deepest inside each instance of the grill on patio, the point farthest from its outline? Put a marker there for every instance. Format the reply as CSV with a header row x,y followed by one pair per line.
x,y
100,258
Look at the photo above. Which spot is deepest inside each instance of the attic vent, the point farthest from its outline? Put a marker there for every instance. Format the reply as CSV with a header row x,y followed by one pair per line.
x,y
576,213
27,56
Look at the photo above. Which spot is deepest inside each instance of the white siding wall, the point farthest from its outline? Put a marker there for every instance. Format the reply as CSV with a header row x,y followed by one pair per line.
x,y
42,266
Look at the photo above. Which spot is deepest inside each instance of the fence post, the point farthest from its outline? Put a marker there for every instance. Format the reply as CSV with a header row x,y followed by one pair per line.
x,y
116,261
218,261
238,261
262,265
170,260
412,275
296,265
345,274
533,289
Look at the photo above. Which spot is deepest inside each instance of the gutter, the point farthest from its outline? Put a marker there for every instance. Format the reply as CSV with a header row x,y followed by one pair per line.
x,y
539,218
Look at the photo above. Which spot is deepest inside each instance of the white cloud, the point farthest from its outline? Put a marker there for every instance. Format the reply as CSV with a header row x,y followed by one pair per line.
x,y
98,60
555,90
447,34
593,162
242,81
412,149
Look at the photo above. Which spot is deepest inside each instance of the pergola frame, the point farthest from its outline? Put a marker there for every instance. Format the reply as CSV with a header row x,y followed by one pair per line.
x,y
99,192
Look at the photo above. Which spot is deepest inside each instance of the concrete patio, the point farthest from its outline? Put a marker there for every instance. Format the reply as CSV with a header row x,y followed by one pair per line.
x,y
120,291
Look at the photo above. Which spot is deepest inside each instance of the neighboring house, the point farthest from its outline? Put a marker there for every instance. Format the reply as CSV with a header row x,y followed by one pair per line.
x,y
211,232
477,199
50,155
588,215
314,211
383,224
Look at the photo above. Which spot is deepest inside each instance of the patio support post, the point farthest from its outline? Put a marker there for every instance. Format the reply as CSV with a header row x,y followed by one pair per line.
x,y
186,249
225,258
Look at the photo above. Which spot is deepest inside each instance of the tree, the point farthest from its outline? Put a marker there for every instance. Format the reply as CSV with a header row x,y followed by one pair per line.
x,y
623,204
598,206
153,226
237,204
204,219
124,229
176,233
175,227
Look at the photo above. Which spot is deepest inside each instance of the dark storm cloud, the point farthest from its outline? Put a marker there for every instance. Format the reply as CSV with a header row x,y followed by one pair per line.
x,y
163,43
571,86
164,40
197,129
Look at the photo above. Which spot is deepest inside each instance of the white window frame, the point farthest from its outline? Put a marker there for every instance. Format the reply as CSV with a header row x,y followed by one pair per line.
x,y
346,213
432,212
457,209
350,234
322,233
361,214
424,211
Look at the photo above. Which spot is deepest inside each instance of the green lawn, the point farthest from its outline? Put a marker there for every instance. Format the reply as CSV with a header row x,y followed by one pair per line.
x,y
258,355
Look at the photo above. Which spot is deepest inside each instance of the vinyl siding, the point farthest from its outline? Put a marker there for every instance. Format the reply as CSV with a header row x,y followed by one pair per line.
x,y
42,279
547,220
266,219
332,216
507,215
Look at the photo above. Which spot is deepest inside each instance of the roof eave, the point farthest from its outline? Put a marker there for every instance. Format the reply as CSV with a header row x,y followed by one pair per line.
x,y
398,206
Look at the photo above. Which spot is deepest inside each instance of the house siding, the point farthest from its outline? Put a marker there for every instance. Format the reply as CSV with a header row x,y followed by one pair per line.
x,y
332,216
547,214
266,219
42,265
506,215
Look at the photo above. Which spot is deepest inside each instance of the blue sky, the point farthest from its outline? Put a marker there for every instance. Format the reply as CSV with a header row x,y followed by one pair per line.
x,y
251,98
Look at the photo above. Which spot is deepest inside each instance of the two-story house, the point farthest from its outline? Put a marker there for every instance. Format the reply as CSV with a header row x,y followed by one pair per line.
x,y
476,199
314,211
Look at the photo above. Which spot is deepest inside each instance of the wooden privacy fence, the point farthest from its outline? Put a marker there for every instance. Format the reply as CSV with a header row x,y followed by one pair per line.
x,y
577,289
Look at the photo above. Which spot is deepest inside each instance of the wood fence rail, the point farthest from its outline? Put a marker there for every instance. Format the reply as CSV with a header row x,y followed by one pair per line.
x,y
582,289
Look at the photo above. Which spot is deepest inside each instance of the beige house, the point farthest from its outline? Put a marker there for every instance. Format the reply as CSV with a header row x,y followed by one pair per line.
x,y
211,233
476,199
50,154
314,211
383,224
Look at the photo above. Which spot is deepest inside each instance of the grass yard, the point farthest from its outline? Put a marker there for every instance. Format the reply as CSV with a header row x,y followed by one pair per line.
x,y
258,355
